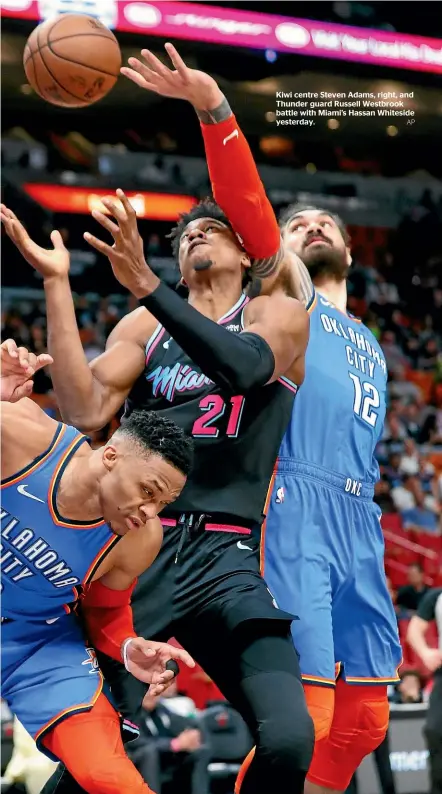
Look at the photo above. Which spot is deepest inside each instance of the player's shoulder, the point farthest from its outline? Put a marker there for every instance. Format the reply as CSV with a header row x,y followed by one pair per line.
x,y
276,306
24,410
26,431
137,327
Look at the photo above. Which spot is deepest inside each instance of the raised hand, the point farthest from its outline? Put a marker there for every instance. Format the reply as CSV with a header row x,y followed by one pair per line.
x,y
126,255
18,366
198,88
147,660
48,262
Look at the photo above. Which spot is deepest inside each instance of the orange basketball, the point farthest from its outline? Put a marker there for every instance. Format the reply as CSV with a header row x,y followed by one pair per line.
x,y
72,60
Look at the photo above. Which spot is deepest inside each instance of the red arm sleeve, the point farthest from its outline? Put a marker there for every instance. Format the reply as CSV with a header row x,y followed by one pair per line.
x,y
238,190
108,617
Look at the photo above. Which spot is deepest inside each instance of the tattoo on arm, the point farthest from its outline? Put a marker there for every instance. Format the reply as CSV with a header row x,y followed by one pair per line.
x,y
215,116
263,268
306,288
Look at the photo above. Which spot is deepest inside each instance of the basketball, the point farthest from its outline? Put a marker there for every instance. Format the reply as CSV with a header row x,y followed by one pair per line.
x,y
72,60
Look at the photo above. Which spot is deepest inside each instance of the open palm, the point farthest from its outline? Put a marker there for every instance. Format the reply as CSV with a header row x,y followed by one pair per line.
x,y
48,262
198,88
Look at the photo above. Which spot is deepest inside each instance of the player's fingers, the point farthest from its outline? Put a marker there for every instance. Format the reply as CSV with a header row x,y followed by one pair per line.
x,y
181,656
99,245
57,240
138,79
142,69
125,202
7,212
10,347
106,222
177,61
156,65
116,209
23,357
25,390
43,360
156,689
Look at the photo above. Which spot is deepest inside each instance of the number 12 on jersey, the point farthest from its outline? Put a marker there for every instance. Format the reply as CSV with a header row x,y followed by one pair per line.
x,y
213,407
366,398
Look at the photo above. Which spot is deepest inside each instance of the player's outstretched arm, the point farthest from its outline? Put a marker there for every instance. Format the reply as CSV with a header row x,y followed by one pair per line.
x,y
234,362
88,395
108,613
236,184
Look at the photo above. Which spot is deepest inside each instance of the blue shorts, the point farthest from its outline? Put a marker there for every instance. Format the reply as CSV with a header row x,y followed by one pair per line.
x,y
48,673
323,560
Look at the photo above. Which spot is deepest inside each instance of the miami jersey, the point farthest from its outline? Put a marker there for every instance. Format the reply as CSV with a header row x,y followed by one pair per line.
x,y
339,411
45,557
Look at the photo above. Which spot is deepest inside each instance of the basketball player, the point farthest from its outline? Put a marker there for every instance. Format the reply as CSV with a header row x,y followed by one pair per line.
x,y
225,368
77,521
323,545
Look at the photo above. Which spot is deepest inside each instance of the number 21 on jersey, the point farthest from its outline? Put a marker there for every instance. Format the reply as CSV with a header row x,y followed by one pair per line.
x,y
213,407
366,399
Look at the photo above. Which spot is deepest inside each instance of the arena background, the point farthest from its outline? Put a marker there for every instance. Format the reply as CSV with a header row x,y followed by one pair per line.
x,y
381,174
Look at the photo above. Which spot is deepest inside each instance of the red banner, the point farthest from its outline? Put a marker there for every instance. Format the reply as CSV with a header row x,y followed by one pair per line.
x,y
198,22
82,200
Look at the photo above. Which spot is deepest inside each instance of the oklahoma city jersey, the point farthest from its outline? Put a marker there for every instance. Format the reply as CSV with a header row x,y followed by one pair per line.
x,y
45,558
323,550
344,390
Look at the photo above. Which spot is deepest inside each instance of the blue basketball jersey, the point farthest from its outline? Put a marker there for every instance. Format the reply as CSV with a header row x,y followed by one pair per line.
x,y
339,410
45,557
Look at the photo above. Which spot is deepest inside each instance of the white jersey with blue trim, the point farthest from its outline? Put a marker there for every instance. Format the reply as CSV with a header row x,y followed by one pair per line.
x,y
339,411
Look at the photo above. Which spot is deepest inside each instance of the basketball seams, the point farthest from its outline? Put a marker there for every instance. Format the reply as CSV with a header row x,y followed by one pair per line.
x,y
66,90
78,63
72,36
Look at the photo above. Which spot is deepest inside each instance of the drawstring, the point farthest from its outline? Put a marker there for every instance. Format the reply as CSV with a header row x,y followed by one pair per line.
x,y
187,526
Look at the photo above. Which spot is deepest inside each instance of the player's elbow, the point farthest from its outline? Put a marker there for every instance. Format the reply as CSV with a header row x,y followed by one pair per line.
x,y
85,421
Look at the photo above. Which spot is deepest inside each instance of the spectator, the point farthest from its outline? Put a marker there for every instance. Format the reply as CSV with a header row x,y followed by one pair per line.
x,y
430,609
409,689
412,594
170,753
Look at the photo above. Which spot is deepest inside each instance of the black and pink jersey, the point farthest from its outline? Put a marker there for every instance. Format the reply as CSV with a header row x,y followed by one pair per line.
x,y
237,437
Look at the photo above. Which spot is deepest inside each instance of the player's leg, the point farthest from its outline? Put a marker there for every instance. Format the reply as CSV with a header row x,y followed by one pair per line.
x,y
366,642
296,558
89,744
359,726
255,666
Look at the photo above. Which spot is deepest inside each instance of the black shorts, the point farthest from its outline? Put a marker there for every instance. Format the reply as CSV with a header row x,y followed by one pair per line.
x,y
203,589
206,573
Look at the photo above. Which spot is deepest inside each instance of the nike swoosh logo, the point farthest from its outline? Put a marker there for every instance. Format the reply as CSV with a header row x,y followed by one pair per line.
x,y
230,137
242,546
52,620
22,490
166,344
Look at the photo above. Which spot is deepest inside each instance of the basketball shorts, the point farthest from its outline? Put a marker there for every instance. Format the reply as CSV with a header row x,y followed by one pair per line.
x,y
323,558
211,570
47,673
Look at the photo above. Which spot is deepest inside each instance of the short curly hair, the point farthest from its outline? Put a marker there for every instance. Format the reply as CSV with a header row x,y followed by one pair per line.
x,y
207,208
159,436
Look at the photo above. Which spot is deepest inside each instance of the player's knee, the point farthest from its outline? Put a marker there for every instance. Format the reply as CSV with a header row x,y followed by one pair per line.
x,y
320,704
371,720
288,741
111,776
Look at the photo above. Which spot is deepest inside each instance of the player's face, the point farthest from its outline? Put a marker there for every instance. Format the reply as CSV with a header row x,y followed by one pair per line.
x,y
316,238
207,244
135,489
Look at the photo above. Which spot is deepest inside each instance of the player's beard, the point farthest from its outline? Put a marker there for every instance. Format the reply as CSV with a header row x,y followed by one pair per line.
x,y
326,261
203,264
